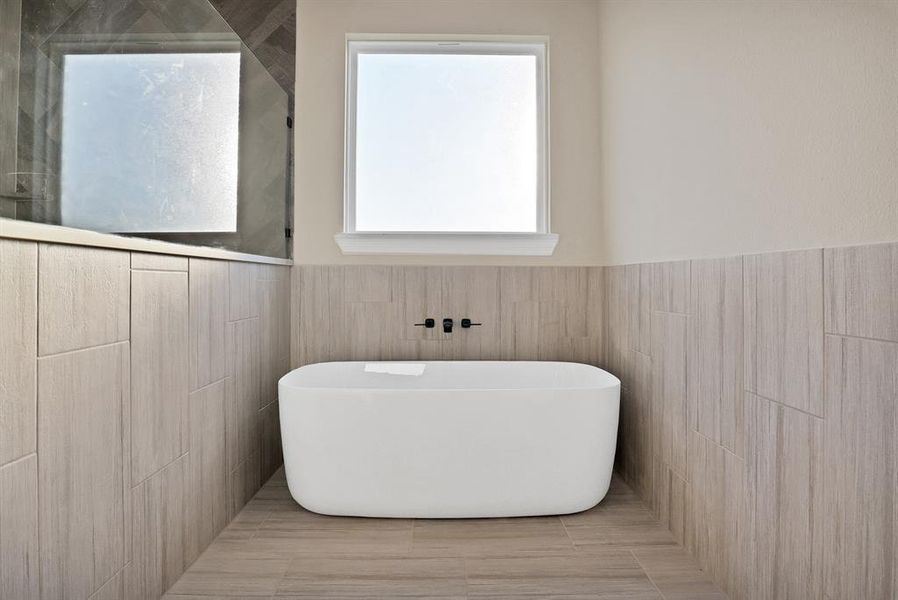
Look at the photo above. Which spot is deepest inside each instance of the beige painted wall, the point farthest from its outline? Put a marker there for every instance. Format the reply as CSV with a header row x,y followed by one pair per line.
x,y
679,129
737,127
574,59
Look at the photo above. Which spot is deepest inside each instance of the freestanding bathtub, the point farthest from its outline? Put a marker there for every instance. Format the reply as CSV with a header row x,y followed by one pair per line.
x,y
448,439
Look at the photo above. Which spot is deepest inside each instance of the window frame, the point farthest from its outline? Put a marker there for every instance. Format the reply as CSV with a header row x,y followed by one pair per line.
x,y
540,242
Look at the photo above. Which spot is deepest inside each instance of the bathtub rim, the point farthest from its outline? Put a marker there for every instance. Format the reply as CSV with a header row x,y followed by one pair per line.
x,y
614,382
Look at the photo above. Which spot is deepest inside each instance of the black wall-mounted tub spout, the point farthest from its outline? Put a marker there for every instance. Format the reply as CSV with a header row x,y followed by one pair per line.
x,y
447,325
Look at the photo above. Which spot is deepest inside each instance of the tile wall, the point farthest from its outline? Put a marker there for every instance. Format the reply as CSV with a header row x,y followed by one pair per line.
x,y
137,414
760,414
369,313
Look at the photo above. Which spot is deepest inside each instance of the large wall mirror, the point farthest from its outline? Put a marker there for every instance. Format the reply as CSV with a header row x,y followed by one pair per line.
x,y
145,118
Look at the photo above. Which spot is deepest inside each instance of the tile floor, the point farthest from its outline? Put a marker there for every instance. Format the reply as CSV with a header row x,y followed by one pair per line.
x,y
275,549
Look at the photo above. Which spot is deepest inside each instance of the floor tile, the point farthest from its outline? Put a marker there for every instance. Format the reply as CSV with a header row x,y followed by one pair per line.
x,y
620,536
228,573
275,549
621,509
610,574
364,576
490,536
676,574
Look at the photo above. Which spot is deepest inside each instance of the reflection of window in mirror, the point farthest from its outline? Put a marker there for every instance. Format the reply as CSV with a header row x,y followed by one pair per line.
x,y
149,141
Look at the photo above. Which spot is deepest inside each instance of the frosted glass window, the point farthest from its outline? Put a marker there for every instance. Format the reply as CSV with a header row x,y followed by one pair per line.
x,y
149,142
446,138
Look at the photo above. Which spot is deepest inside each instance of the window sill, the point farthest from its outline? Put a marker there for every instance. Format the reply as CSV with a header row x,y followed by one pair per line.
x,y
483,244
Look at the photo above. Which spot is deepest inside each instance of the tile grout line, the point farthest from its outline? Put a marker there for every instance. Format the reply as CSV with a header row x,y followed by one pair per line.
x,y
85,349
19,459
567,534
859,337
208,385
784,405
646,573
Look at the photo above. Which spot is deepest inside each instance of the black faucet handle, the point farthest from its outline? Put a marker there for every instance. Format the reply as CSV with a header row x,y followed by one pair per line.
x,y
428,323
466,323
447,325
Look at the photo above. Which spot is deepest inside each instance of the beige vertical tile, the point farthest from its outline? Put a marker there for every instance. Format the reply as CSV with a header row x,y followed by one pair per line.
x,y
635,431
112,590
18,349
518,284
83,297
715,383
367,331
18,529
471,292
518,314
568,288
617,310
159,370
273,272
677,502
245,480
783,495
668,499
367,283
158,262
639,292
595,311
207,494
243,291
551,341
208,314
784,328
670,286
81,489
861,458
321,313
669,389
271,323
243,357
714,511
285,318
861,285
270,455
522,340
295,308
587,350
231,429
160,528
418,294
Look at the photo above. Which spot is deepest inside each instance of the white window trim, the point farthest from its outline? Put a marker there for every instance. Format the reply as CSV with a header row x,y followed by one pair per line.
x,y
539,243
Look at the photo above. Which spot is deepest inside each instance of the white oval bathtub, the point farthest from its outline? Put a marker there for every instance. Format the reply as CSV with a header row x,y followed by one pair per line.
x,y
448,439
